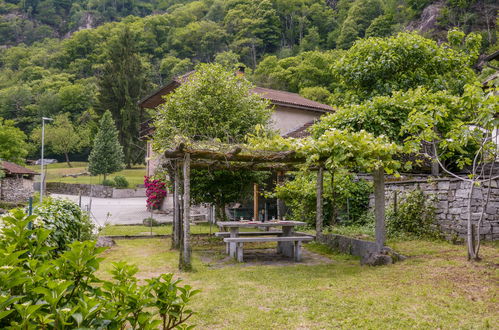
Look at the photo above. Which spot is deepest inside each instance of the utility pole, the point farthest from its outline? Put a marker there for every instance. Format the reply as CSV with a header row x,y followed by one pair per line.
x,y
42,182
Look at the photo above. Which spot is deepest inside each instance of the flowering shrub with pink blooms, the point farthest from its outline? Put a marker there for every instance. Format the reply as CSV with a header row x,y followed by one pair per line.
x,y
155,192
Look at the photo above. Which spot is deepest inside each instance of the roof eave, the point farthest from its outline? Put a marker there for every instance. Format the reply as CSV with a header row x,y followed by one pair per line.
x,y
302,107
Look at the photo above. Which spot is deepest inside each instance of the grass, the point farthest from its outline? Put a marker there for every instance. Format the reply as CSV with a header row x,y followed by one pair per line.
x,y
435,288
56,171
120,230
117,230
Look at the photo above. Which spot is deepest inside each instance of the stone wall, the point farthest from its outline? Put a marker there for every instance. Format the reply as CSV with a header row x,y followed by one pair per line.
x,y
93,190
366,250
16,189
452,203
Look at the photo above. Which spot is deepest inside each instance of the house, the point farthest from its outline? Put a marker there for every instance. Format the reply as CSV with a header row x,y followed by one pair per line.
x,y
292,112
17,182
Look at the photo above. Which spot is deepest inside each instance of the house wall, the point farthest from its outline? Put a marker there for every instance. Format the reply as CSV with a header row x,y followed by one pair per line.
x,y
286,119
452,203
152,160
16,189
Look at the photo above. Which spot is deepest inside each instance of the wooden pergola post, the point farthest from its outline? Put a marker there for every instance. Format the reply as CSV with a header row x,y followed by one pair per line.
x,y
255,202
320,202
185,251
280,204
176,228
379,206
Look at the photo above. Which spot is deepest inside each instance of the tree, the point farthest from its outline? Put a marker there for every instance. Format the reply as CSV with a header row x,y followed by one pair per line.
x,y
13,146
213,104
122,82
380,66
475,125
106,156
360,16
63,137
254,27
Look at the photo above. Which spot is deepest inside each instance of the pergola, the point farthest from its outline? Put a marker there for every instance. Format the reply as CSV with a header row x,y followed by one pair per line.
x,y
182,159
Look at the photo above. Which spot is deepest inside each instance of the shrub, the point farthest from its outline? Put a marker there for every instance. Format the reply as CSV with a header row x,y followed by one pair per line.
x,y
108,183
155,192
150,222
351,198
120,182
416,215
65,220
39,290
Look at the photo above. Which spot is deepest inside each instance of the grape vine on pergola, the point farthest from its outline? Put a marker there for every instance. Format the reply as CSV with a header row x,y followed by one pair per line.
x,y
184,158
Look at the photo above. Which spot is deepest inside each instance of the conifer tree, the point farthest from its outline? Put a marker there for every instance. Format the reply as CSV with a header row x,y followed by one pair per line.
x,y
122,83
106,156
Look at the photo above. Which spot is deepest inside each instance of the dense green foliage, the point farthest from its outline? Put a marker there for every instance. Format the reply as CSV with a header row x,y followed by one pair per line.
x,y
93,70
45,291
345,204
415,215
13,146
212,104
66,222
106,156
121,83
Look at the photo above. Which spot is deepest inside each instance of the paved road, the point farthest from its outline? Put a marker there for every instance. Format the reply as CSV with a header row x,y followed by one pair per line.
x,y
117,211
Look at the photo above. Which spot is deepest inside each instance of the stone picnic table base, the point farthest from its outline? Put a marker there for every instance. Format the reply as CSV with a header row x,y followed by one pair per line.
x,y
284,248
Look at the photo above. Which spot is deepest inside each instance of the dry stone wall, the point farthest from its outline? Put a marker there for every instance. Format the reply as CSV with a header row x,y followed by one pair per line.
x,y
452,203
16,189
93,190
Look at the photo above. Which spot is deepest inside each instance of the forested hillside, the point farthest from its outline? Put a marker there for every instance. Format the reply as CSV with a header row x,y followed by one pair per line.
x,y
48,67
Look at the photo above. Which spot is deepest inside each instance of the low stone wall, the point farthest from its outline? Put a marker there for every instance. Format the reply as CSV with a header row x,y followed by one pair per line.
x,y
366,250
348,245
93,190
452,203
16,189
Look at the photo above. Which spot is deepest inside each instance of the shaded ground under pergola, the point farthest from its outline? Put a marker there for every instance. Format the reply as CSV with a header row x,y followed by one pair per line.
x,y
182,159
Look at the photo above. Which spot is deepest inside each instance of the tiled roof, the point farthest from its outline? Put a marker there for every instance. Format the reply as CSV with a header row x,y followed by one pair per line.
x,y
291,99
277,97
301,131
11,168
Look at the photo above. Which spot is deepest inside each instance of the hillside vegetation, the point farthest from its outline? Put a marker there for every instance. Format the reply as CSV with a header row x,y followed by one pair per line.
x,y
48,67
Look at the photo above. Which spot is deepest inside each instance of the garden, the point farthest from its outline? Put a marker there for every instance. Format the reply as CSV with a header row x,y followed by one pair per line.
x,y
52,276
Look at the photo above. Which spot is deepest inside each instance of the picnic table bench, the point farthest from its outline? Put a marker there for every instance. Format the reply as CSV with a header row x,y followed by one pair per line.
x,y
296,240
286,239
225,234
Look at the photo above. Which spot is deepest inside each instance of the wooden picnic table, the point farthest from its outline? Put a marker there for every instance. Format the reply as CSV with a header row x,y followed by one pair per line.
x,y
286,248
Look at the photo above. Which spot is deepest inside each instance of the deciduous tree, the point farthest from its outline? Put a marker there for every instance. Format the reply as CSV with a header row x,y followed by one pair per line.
x,y
63,137
13,146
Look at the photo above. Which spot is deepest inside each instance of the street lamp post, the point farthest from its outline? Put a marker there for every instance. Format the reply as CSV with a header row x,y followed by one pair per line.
x,y
41,164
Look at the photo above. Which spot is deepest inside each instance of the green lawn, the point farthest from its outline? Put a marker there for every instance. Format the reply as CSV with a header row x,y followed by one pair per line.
x,y
120,230
435,288
56,171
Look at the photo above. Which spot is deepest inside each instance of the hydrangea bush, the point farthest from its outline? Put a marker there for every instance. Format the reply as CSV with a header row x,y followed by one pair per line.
x,y
65,220
155,192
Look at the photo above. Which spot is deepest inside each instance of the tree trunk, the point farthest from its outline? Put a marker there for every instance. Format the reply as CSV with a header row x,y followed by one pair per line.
x,y
320,203
472,252
379,206
67,159
185,252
